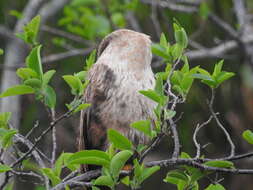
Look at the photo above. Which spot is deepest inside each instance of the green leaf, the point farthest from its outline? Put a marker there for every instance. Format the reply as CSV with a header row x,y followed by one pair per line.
x,y
4,119
94,157
149,171
196,174
7,138
143,126
203,77
125,180
33,82
153,95
159,84
17,90
163,40
90,61
168,114
16,14
81,107
160,51
26,73
118,19
59,164
118,161
223,76
248,136
184,155
47,76
75,84
30,31
104,181
218,67
177,174
49,96
1,51
220,164
81,75
51,175
176,51
33,61
118,140
215,187
4,168
204,10
181,37
94,188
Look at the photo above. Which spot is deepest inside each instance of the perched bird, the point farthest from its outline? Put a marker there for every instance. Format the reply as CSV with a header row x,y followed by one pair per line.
x,y
123,67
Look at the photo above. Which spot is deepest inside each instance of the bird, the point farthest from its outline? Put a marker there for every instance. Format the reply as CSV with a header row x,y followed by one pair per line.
x,y
122,69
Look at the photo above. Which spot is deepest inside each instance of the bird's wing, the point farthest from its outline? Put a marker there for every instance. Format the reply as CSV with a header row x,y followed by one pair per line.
x,y
92,133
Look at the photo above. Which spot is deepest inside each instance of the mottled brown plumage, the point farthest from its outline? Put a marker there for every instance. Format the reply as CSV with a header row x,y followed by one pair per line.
x,y
122,69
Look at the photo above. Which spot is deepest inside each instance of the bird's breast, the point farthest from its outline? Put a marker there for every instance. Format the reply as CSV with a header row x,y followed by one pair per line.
x,y
125,104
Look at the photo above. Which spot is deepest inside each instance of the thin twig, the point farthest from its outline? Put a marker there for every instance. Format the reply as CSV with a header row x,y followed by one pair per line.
x,y
65,34
6,180
67,54
232,146
53,139
52,124
197,145
152,145
198,163
31,131
170,121
30,174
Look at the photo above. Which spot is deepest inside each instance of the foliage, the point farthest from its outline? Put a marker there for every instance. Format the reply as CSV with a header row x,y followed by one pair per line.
x,y
172,85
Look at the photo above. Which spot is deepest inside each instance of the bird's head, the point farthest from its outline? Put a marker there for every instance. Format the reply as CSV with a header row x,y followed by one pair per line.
x,y
133,49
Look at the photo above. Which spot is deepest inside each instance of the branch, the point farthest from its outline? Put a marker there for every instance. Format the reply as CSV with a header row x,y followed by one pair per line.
x,y
152,145
198,163
35,153
6,33
52,125
172,6
51,8
67,54
217,51
53,139
232,146
65,34
194,163
197,145
224,26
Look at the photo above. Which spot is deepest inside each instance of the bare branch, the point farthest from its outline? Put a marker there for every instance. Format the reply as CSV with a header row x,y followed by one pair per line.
x,y
67,54
192,162
197,145
65,34
31,131
224,26
30,174
217,51
52,125
173,6
152,145
53,139
51,8
232,146
20,138
6,33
